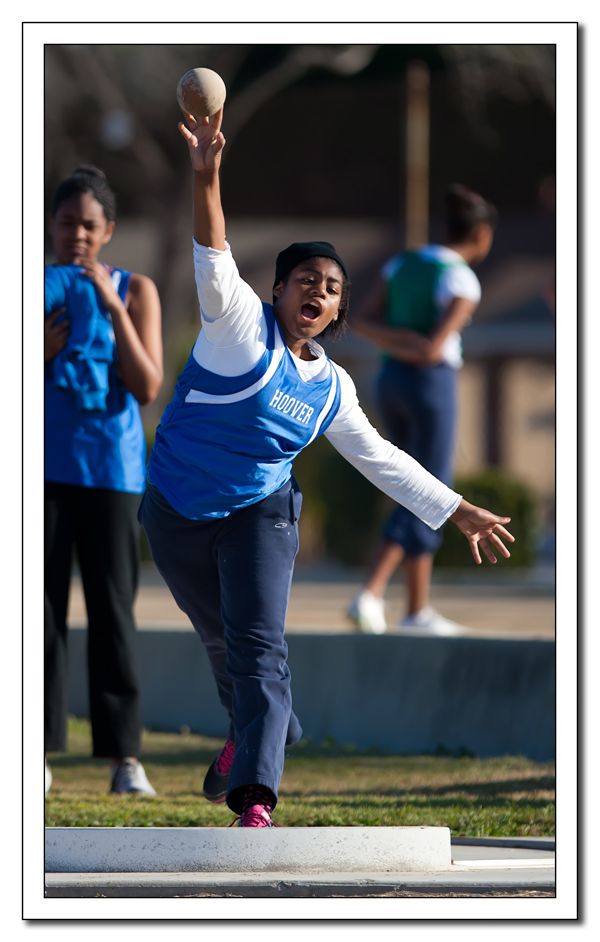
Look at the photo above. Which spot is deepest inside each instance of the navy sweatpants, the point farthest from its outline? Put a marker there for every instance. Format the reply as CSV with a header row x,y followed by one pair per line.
x,y
232,578
418,408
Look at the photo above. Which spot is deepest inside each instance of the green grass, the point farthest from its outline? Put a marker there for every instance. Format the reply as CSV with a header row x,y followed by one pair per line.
x,y
322,786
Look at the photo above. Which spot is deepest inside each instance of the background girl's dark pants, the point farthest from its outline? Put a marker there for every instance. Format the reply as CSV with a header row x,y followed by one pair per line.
x,y
232,578
418,408
101,526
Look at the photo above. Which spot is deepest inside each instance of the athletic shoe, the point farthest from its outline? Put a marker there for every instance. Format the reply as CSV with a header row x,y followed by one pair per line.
x,y
256,816
47,778
257,808
367,611
430,622
217,777
129,778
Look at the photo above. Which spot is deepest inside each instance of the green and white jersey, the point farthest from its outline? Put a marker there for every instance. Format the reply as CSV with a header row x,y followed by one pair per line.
x,y
421,285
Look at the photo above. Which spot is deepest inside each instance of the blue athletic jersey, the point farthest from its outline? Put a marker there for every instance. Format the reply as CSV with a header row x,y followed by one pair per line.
x,y
93,431
225,442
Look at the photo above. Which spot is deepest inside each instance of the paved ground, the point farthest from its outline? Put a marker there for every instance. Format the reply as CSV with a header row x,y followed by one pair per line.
x,y
509,868
495,605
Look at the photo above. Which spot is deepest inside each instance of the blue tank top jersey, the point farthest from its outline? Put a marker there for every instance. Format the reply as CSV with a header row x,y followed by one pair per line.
x,y
226,442
93,432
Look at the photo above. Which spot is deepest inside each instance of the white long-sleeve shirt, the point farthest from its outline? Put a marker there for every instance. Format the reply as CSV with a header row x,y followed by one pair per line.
x,y
232,341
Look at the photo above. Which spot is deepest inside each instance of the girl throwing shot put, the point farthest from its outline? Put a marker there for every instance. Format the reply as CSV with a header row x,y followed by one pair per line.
x,y
221,507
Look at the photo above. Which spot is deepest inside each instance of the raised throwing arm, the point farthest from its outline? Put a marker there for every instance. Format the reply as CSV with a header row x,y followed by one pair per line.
x,y
205,144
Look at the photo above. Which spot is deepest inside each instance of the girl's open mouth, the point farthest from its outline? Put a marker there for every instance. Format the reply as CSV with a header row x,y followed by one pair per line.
x,y
310,311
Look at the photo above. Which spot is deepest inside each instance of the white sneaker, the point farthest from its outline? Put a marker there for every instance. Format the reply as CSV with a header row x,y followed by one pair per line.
x,y
47,778
128,777
430,622
367,611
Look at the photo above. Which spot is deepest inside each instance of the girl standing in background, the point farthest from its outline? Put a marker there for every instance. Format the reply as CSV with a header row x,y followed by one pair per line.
x,y
103,359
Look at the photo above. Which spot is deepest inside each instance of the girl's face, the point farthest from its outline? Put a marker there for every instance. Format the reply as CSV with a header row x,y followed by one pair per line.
x,y
308,301
79,229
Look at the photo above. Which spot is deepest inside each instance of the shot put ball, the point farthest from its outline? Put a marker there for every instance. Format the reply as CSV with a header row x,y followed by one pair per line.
x,y
201,92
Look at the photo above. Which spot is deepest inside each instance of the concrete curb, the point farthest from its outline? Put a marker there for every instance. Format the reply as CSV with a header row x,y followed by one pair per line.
x,y
314,850
484,867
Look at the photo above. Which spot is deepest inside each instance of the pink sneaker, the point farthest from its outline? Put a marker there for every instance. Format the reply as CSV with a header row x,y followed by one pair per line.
x,y
257,808
217,777
256,816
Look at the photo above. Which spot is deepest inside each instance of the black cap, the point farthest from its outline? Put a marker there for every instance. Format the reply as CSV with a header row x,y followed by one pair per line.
x,y
299,251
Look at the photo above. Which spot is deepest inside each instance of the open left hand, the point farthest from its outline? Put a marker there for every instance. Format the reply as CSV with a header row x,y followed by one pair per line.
x,y
482,529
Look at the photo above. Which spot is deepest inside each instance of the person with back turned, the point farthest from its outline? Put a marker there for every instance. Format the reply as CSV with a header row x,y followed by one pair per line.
x,y
415,314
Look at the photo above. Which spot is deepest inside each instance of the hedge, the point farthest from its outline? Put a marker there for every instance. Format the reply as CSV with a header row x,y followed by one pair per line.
x,y
348,512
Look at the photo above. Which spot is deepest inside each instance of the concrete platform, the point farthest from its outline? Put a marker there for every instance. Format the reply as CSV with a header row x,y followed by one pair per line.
x,y
489,692
505,867
491,604
240,850
396,695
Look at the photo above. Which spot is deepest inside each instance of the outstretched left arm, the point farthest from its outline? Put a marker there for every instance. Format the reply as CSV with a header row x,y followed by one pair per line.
x,y
407,482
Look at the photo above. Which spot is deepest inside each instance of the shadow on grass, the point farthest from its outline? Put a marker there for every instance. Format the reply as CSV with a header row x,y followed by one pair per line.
x,y
411,801
441,755
482,789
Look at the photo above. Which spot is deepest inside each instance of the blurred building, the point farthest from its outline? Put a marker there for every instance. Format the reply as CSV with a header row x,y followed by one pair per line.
x,y
316,149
